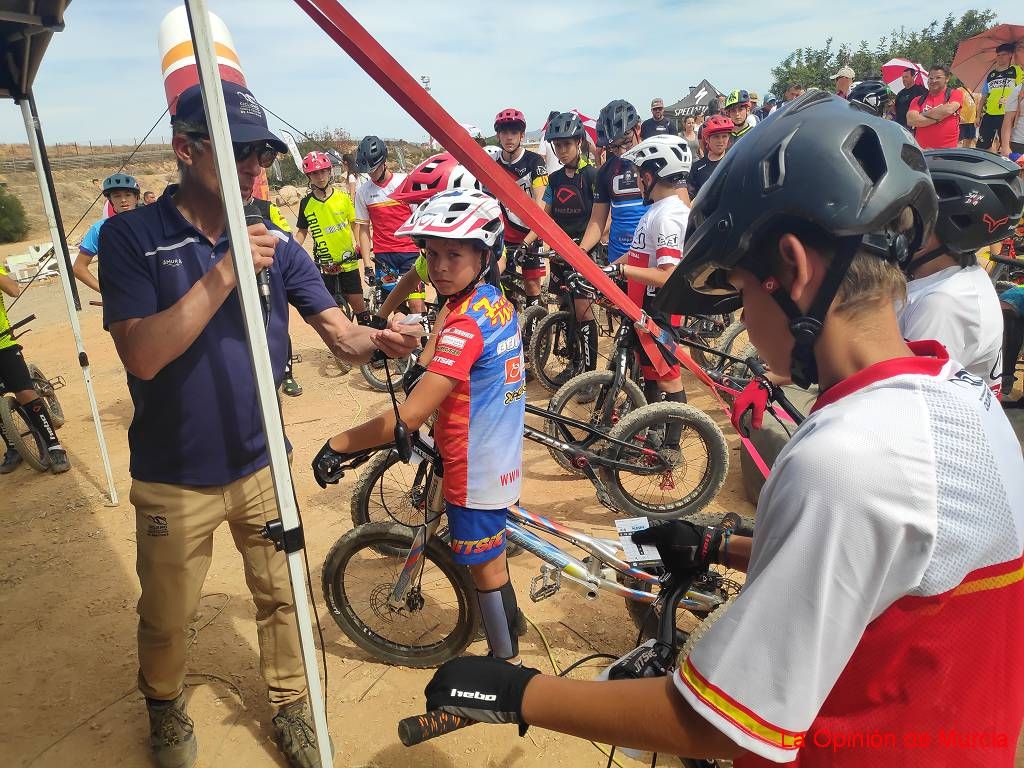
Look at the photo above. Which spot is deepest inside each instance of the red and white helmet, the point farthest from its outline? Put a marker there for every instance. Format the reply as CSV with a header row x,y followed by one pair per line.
x,y
509,116
668,157
456,215
435,174
316,161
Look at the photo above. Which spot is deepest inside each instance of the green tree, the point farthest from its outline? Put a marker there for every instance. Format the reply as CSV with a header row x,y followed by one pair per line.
x,y
934,44
13,222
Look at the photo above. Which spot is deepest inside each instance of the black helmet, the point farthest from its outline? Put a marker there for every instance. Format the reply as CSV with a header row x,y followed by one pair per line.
x,y
566,125
873,94
371,153
617,118
981,198
823,163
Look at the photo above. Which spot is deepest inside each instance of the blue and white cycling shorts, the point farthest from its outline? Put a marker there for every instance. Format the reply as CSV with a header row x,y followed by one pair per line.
x,y
477,535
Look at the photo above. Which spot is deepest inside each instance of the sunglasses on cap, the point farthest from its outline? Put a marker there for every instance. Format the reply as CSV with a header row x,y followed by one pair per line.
x,y
265,154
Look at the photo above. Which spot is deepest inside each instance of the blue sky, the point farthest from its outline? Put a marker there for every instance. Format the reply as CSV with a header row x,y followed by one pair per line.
x,y
101,77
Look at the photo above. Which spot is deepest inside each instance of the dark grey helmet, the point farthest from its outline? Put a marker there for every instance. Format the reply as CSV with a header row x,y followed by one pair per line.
x,y
617,118
371,153
566,125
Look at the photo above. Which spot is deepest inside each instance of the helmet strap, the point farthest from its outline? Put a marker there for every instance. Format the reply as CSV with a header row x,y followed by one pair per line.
x,y
914,264
807,326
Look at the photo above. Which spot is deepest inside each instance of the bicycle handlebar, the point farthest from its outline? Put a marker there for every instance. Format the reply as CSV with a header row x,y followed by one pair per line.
x,y
10,330
778,395
419,728
1006,262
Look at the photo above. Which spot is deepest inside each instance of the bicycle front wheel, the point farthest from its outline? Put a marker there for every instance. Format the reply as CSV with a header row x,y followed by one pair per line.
x,y
697,463
435,621
555,354
22,436
585,398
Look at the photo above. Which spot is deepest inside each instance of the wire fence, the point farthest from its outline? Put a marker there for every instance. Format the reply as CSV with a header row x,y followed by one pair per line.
x,y
88,160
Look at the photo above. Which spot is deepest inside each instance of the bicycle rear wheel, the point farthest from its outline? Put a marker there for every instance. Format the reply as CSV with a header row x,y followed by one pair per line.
x,y
595,388
376,376
44,389
555,354
22,436
435,622
528,320
697,466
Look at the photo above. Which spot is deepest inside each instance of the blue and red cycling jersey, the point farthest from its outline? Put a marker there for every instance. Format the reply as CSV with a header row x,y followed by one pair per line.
x,y
479,429
617,187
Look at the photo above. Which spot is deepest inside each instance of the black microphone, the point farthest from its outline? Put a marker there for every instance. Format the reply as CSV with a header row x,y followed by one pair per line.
x,y
253,216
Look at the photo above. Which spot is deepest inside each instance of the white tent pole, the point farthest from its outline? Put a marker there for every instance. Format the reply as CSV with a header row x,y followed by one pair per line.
x,y
273,428
31,127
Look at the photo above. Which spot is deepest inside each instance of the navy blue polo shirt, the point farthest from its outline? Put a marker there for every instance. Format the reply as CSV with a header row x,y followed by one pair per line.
x,y
197,422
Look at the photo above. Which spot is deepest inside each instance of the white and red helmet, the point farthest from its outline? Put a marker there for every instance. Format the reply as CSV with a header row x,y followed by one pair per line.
x,y
438,173
459,214
316,161
668,157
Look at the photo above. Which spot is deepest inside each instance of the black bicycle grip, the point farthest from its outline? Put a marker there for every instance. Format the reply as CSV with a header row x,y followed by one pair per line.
x,y
420,728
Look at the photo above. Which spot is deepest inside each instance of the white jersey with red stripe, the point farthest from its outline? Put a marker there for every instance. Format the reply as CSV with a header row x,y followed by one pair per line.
x,y
958,308
657,241
883,610
479,429
375,206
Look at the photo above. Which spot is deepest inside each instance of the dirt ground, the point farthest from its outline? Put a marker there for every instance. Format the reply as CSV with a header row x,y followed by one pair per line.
x,y
68,592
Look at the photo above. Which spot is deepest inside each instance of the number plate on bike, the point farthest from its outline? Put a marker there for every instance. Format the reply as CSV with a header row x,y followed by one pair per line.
x,y
635,553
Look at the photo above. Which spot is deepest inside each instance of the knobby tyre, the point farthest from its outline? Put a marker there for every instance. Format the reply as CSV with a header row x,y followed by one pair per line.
x,y
436,621
376,376
528,320
45,390
554,356
697,469
566,402
391,491
22,436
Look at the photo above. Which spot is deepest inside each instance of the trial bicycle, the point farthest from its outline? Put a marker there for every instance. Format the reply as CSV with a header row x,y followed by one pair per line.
x,y
398,594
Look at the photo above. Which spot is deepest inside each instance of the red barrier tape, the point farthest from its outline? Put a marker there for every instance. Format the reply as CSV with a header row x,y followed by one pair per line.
x,y
353,38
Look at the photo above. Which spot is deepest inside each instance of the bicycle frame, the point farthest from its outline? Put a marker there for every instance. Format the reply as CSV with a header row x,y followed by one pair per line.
x,y
592,576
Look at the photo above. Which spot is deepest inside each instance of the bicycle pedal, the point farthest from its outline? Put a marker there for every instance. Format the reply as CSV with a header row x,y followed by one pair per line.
x,y
546,583
57,382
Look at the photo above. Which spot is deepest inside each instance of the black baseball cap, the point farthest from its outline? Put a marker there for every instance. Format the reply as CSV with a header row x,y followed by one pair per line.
x,y
1006,48
246,118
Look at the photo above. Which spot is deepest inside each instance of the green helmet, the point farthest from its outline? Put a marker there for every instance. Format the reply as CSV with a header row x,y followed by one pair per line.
x,y
738,99
120,181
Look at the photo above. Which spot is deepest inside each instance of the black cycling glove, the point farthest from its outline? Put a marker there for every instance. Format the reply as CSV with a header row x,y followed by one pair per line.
x,y
327,465
685,548
480,688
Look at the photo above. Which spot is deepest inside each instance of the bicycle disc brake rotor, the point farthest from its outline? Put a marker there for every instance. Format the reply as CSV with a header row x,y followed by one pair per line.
x,y
382,608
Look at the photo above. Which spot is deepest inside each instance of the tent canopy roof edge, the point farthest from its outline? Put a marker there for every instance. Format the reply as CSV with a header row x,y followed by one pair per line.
x,y
26,27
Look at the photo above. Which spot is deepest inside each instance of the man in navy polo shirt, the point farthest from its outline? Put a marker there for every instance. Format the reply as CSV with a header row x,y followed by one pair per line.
x,y
198,455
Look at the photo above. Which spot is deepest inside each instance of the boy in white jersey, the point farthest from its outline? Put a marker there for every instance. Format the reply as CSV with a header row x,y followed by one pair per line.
x,y
663,164
882,607
950,298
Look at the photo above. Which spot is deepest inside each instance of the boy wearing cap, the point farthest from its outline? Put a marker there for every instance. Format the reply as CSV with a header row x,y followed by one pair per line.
x,y
999,84
657,123
198,452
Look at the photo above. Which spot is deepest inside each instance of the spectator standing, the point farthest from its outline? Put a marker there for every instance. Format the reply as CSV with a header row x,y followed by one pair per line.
x,y
352,177
935,116
793,91
1012,133
766,108
911,91
844,81
752,118
546,151
657,123
198,454
148,198
968,116
999,84
690,134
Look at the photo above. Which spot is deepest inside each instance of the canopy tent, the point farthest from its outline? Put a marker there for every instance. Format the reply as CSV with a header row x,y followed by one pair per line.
x,y
27,26
696,102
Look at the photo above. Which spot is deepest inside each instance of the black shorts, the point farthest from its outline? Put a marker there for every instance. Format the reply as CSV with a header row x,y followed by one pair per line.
x,y
989,130
14,375
346,283
968,131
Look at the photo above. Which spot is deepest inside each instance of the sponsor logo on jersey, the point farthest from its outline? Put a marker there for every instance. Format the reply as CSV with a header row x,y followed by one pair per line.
x,y
175,262
507,478
443,360
445,349
458,332
507,345
671,238
515,394
451,340
498,312
514,370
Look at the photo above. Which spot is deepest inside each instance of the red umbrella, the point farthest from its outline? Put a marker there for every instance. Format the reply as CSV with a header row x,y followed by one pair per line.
x,y
976,55
892,73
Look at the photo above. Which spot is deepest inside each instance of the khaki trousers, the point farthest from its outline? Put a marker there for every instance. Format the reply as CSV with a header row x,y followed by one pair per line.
x,y
174,541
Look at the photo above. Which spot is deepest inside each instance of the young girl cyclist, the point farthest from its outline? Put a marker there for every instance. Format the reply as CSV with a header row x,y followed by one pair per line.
x,y
882,605
476,383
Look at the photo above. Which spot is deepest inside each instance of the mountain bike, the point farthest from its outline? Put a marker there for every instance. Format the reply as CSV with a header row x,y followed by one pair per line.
x,y
330,272
18,429
385,280
669,646
398,594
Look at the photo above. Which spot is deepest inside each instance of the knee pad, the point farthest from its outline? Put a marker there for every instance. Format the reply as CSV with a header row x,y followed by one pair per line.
x,y
499,613
651,392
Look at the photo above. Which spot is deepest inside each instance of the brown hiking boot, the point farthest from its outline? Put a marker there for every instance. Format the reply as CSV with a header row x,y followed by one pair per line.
x,y
170,733
293,731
